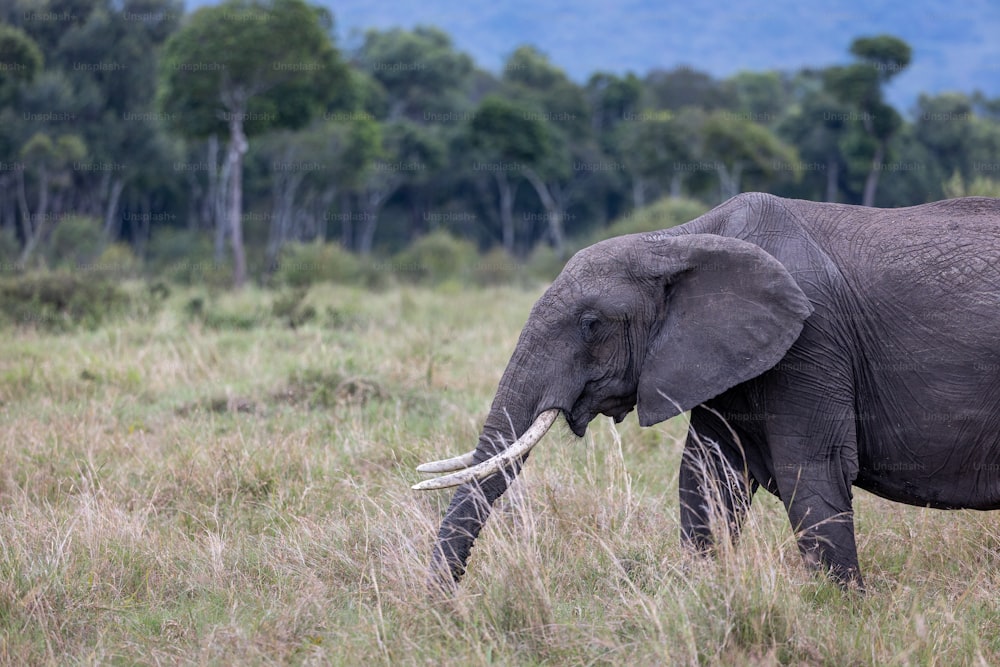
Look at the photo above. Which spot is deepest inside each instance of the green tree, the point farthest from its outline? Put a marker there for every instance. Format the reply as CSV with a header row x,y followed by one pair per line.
x,y
737,146
861,85
20,56
244,67
652,147
815,126
420,72
50,160
505,137
612,99
558,105
686,87
409,154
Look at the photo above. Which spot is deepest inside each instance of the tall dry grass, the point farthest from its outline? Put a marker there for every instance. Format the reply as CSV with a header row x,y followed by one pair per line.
x,y
177,493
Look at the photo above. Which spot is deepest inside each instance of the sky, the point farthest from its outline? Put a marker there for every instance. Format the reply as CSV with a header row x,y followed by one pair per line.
x,y
956,44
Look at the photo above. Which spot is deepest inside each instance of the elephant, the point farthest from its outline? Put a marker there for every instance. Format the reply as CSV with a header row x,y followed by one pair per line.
x,y
818,347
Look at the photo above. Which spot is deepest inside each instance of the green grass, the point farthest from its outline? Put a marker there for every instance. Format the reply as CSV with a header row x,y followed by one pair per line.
x,y
174,490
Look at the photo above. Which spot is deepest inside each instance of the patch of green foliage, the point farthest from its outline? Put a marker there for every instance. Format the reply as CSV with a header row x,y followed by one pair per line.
x,y
304,264
662,214
60,301
434,259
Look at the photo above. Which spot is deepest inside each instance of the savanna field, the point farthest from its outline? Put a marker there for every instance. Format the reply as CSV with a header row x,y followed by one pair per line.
x,y
224,479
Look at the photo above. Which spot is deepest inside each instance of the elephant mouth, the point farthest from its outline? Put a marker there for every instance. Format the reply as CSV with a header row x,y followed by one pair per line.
x,y
584,411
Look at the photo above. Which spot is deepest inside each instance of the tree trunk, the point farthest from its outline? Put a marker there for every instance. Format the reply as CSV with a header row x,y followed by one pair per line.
x,y
729,180
346,221
323,214
831,178
675,185
506,210
553,211
284,189
871,183
373,201
374,198
237,149
112,224
210,205
220,207
34,225
638,192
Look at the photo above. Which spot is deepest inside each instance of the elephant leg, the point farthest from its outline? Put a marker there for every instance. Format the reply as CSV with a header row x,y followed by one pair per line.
x,y
823,522
715,488
815,465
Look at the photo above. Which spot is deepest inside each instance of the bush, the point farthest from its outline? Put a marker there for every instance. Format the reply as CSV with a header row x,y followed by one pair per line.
x,y
980,186
304,264
116,262
10,251
498,268
435,258
292,309
544,264
662,214
187,258
75,242
59,301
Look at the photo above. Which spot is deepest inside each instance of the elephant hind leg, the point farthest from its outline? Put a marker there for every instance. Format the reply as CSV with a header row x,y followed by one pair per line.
x,y
826,538
715,490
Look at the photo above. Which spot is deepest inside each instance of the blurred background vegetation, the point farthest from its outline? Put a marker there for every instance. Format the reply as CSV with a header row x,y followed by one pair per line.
x,y
239,142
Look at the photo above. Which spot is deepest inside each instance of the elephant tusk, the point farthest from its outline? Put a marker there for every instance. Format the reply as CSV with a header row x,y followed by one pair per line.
x,y
519,448
462,462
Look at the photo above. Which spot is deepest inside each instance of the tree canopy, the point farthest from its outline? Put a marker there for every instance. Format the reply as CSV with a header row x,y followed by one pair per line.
x,y
216,137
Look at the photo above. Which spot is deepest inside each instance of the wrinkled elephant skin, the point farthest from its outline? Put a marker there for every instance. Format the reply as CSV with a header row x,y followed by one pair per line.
x,y
818,347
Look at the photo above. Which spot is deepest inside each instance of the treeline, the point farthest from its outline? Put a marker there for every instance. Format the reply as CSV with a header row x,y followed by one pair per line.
x,y
217,143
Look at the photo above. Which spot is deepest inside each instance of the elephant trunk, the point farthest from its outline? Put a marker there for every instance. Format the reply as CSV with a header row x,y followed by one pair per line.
x,y
514,409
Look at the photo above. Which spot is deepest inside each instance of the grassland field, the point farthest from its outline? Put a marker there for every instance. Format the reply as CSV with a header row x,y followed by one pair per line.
x,y
182,490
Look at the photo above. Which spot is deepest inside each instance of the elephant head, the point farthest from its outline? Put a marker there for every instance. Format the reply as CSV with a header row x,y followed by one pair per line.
x,y
658,322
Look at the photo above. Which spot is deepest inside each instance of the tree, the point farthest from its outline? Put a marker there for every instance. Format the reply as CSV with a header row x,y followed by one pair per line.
x,y
308,169
651,147
244,67
816,127
21,58
422,75
550,99
409,153
50,161
612,99
737,146
505,138
860,85
686,87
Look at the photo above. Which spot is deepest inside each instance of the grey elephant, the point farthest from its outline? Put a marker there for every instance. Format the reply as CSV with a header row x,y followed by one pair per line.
x,y
817,346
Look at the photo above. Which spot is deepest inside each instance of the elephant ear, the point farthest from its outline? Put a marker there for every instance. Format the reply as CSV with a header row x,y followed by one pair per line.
x,y
731,312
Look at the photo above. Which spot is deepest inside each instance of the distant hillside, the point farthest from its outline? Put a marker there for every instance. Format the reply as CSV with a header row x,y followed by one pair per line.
x,y
955,44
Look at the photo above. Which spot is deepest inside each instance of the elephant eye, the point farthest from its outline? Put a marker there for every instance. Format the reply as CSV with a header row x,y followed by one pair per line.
x,y
589,325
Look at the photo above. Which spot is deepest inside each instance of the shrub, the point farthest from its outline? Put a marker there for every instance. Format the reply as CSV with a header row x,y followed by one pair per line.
x,y
662,214
544,264
304,264
435,258
75,242
116,262
291,307
187,258
980,186
59,301
10,250
498,268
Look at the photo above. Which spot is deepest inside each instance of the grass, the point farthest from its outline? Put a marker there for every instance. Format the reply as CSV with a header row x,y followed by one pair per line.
x,y
177,491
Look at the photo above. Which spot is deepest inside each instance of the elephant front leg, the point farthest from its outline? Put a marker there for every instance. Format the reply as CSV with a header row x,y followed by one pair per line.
x,y
715,489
